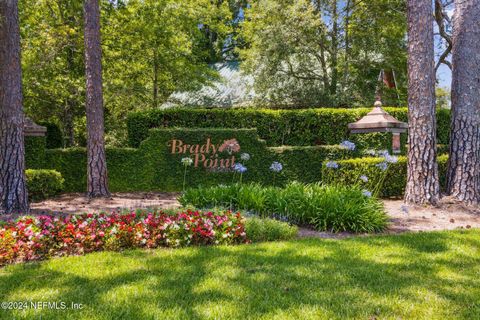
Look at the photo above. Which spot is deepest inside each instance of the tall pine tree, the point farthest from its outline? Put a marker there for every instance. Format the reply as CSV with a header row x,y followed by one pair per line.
x,y
463,180
422,173
13,189
97,178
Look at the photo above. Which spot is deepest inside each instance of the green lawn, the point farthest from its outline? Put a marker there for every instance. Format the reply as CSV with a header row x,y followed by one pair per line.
x,y
410,276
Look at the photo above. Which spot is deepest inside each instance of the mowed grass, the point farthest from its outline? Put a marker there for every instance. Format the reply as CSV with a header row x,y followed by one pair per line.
x,y
411,276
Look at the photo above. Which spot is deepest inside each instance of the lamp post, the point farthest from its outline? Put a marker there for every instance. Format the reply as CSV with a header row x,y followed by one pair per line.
x,y
378,120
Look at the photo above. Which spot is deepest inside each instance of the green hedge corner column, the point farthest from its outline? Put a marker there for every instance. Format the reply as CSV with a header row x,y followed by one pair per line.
x,y
35,144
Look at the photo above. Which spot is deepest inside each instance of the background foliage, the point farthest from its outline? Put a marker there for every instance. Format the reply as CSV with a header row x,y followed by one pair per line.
x,y
300,54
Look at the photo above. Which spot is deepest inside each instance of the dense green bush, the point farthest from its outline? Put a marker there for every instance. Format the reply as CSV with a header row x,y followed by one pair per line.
x,y
43,184
395,178
306,127
333,208
266,229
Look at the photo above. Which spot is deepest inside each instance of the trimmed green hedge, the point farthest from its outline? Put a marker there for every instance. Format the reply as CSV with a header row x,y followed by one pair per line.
x,y
306,127
305,163
152,168
35,152
43,184
349,173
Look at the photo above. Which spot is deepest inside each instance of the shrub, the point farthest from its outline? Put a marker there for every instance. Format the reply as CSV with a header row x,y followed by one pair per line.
x,y
349,172
304,127
335,208
43,184
35,238
265,229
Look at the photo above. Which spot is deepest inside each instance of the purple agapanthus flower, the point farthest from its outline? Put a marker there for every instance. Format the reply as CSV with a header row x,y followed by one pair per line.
x,y
366,193
383,153
332,165
364,178
240,168
382,165
348,145
391,159
276,166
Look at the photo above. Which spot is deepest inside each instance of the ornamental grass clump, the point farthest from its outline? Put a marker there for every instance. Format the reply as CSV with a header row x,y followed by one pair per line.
x,y
36,238
326,208
259,230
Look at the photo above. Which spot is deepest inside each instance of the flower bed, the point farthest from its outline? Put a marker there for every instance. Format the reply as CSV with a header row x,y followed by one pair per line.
x,y
36,238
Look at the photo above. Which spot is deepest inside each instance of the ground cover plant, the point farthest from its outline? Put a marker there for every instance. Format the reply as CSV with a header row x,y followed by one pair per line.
x,y
410,276
40,237
259,230
333,208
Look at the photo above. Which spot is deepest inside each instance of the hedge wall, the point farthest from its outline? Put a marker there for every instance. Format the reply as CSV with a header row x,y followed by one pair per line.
x,y
151,167
307,127
349,173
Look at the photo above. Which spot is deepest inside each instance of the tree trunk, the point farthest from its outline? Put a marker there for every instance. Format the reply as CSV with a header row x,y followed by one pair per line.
x,y
13,188
347,45
463,179
334,53
422,173
155,79
97,180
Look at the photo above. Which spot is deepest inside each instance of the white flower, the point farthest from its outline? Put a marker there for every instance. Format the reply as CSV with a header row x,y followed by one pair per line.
x,y
364,178
245,156
187,162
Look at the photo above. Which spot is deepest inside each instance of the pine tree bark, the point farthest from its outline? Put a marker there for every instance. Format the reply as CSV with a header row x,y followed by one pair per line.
x,y
13,188
463,178
422,173
97,179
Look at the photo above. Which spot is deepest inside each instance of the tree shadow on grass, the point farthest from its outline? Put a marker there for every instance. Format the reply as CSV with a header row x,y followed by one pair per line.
x,y
354,278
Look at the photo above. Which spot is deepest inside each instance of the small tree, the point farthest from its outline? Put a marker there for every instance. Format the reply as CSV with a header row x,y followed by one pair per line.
x,y
422,180
463,180
13,189
97,178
